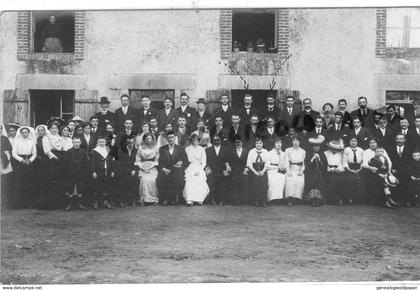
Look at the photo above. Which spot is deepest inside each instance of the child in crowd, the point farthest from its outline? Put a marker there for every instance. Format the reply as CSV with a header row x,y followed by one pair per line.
x,y
384,169
414,182
77,163
102,163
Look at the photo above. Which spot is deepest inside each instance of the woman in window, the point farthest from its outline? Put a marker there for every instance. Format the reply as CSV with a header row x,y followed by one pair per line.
x,y
295,167
147,162
24,152
196,188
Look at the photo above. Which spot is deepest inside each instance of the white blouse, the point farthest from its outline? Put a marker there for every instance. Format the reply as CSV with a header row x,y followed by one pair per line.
x,y
52,142
335,159
276,159
197,155
252,157
24,146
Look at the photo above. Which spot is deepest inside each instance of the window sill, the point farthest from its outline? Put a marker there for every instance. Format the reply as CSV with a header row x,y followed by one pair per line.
x,y
396,52
255,63
246,54
67,57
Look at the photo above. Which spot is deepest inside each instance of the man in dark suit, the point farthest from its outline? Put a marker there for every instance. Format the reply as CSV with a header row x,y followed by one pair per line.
x,y
146,112
235,129
417,132
271,110
305,120
290,112
252,132
171,165
268,134
125,112
220,130
408,132
318,130
342,105
124,133
187,111
88,140
182,132
202,113
363,134
338,130
218,171
125,173
400,155
225,111
384,134
393,117
104,116
364,113
239,174
94,126
247,110
168,115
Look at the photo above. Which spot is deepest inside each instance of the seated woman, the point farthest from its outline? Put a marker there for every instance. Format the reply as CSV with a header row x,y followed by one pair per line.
x,y
352,160
335,172
295,168
276,172
203,134
257,163
196,188
24,152
145,128
147,163
315,164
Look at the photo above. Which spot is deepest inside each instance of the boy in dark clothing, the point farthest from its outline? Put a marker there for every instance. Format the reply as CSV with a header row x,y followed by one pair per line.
x,y
77,163
413,172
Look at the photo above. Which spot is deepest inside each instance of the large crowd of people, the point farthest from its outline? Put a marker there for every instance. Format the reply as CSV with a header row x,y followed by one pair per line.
x,y
245,156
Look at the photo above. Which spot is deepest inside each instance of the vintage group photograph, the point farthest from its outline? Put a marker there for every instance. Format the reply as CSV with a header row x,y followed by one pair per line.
x,y
210,145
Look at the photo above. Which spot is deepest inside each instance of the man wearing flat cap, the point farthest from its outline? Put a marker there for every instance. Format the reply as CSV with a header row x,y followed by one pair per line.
x,y
104,116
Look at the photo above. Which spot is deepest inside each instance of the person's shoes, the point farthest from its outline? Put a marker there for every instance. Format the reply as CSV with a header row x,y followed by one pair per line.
x,y
107,204
350,202
69,207
289,203
393,202
389,205
121,204
264,204
141,203
200,203
155,203
95,205
133,204
81,206
164,202
340,202
190,203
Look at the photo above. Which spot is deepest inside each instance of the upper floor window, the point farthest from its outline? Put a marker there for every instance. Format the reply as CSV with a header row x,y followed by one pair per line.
x,y
53,31
403,28
254,30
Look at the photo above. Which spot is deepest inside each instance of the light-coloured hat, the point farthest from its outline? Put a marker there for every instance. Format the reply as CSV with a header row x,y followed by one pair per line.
x,y
391,180
318,140
336,144
77,118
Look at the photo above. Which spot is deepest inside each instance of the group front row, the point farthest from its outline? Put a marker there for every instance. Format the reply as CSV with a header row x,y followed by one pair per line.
x,y
40,176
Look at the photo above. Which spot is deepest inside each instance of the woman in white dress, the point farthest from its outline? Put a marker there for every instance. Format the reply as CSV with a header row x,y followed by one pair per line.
x,y
295,166
147,162
276,171
67,141
196,188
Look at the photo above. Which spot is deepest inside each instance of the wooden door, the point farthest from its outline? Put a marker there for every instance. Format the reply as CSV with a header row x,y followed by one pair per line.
x,y
85,103
15,106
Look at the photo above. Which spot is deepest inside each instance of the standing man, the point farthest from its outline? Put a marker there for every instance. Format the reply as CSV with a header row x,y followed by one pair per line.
x,y
384,134
339,130
251,132
145,113
168,115
125,112
393,117
363,134
236,129
342,105
220,130
202,113
52,36
186,110
290,112
125,133
364,113
171,165
94,122
247,110
182,132
417,133
104,116
269,134
409,133
225,112
239,175
305,120
271,110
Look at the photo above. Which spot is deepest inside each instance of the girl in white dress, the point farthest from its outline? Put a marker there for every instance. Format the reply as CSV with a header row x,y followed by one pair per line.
x,y
196,188
67,141
147,161
295,166
276,171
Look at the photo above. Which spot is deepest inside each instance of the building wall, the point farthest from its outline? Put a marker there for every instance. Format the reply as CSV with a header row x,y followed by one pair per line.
x,y
333,55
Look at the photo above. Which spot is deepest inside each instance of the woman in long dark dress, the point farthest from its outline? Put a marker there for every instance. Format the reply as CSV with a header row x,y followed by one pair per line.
x,y
257,163
6,165
40,165
315,164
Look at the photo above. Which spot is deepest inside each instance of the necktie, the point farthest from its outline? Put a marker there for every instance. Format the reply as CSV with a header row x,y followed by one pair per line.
x,y
399,151
404,132
259,159
290,111
318,131
354,156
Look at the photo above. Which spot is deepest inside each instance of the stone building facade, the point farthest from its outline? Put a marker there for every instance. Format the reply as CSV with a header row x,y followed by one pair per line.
x,y
323,54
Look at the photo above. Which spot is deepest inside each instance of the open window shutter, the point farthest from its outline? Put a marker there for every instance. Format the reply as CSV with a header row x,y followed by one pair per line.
x,y
86,103
213,99
16,106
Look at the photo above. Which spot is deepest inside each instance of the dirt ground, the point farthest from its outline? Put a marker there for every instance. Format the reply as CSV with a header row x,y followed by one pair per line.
x,y
210,244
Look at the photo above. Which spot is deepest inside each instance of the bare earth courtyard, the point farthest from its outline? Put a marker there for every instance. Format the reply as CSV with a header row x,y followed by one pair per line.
x,y
210,244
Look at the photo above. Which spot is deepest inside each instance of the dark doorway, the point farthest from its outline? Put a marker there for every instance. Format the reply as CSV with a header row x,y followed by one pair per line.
x,y
51,103
156,97
65,22
259,98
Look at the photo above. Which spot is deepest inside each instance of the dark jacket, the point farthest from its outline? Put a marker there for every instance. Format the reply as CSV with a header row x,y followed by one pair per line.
x,y
305,121
168,161
92,143
366,121
217,163
363,137
245,118
145,118
237,163
284,115
190,114
98,164
400,163
386,140
104,119
275,113
124,164
163,119
344,133
132,114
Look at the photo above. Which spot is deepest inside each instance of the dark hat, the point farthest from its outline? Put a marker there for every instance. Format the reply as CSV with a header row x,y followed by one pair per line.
x,y
104,100
238,137
338,113
55,120
201,101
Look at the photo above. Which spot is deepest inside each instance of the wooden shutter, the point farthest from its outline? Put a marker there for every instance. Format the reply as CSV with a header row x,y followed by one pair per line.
x,y
15,106
283,93
213,99
85,103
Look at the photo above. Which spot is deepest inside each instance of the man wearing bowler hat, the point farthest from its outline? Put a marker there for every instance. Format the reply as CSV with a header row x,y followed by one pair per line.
x,y
202,113
104,116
